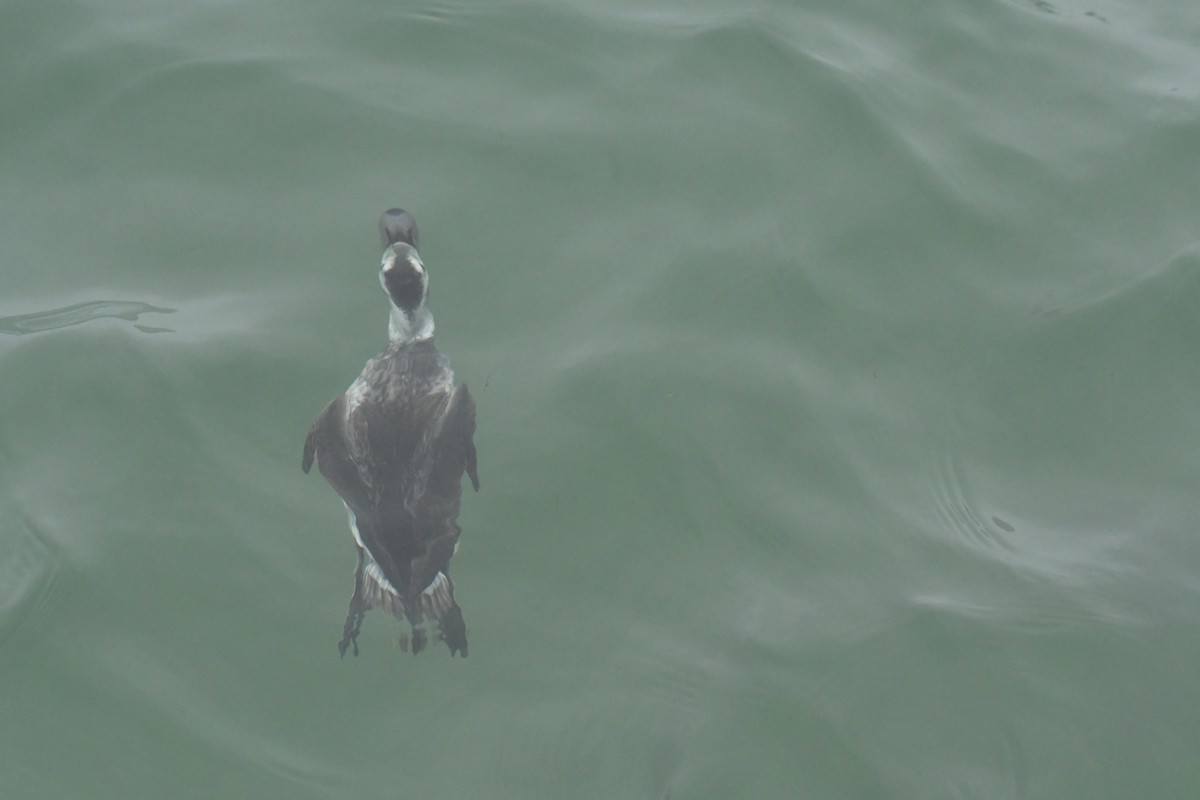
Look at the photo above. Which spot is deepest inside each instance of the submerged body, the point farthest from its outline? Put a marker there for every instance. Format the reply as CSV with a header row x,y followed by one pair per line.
x,y
395,447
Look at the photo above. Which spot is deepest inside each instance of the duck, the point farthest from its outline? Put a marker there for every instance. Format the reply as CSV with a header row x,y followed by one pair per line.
x,y
395,447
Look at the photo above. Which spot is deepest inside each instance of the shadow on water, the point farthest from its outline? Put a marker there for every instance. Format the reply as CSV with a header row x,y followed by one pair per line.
x,y
80,313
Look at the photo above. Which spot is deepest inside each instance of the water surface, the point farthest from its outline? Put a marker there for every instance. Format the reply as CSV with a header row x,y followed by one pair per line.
x,y
835,367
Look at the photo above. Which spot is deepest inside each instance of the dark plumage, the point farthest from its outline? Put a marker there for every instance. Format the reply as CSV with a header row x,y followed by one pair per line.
x,y
395,447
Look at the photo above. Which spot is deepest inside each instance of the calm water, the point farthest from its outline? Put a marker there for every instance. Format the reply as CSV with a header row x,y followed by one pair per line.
x,y
837,384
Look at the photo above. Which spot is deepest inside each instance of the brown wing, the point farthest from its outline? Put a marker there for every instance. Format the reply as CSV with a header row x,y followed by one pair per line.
x,y
457,445
467,433
320,432
452,454
327,446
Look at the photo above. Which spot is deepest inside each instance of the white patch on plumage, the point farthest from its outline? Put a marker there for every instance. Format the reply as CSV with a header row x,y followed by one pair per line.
x,y
404,327
374,571
354,528
438,597
407,326
358,391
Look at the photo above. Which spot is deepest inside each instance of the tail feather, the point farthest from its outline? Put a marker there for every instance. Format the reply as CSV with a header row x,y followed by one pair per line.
x,y
436,601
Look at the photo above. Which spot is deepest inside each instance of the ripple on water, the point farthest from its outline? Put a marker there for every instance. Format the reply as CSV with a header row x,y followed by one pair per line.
x,y
79,313
958,510
1020,569
28,574
1068,550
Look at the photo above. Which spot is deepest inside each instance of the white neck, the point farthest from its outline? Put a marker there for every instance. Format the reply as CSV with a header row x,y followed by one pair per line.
x,y
404,328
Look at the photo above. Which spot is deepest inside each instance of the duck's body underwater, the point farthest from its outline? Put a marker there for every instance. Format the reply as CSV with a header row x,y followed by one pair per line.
x,y
395,447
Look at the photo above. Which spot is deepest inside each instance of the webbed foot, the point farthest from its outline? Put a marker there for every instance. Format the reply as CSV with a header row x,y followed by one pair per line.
x,y
348,641
453,631
418,640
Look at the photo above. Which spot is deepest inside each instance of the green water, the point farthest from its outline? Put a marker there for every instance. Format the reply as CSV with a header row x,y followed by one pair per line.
x,y
836,378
